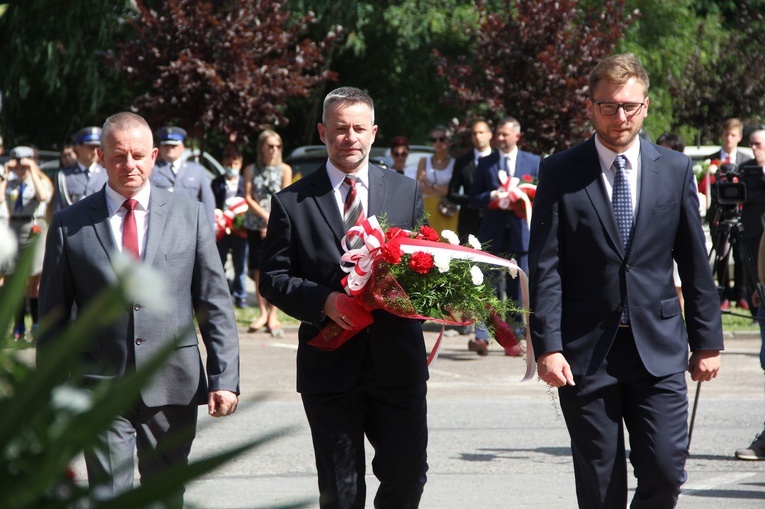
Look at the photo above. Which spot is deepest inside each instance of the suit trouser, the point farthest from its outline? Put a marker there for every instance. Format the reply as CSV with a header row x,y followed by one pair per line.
x,y
394,420
162,437
655,411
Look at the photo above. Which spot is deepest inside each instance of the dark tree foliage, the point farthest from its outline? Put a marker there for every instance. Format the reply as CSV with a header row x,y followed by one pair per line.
x,y
728,84
225,66
532,61
54,77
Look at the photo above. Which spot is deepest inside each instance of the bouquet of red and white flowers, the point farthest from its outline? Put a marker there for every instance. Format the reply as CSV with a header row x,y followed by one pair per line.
x,y
516,194
426,276
231,220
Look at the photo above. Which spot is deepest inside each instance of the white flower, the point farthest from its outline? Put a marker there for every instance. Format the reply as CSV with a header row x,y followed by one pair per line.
x,y
451,237
698,169
477,275
441,261
8,244
473,241
140,282
73,399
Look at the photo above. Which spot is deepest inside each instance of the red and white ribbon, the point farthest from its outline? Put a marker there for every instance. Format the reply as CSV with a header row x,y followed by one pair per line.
x,y
359,262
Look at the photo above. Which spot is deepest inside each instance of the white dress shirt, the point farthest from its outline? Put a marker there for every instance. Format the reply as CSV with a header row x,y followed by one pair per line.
x,y
117,212
336,177
607,156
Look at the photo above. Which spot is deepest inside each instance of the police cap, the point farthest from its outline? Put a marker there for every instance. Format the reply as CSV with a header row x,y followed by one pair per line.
x,y
171,135
88,136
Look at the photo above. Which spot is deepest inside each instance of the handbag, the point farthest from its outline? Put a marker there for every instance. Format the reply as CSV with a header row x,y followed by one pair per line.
x,y
446,207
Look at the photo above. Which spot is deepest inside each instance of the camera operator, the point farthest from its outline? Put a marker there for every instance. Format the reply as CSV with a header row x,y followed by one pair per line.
x,y
730,135
752,218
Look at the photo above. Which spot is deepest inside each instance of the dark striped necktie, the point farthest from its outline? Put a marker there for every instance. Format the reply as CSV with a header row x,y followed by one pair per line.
x,y
353,212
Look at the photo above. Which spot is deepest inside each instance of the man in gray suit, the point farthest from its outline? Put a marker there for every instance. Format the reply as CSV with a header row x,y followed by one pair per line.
x,y
171,234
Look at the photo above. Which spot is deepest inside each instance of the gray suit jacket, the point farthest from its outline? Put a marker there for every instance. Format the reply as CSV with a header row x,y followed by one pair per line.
x,y
179,246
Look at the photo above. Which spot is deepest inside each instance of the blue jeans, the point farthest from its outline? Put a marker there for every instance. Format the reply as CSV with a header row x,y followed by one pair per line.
x,y
238,248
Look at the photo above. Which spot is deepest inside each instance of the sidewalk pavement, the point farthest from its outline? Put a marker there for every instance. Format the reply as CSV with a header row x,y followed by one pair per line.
x,y
494,442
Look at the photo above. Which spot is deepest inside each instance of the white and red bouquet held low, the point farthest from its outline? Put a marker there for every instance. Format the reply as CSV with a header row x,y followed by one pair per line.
x,y
231,220
516,194
425,276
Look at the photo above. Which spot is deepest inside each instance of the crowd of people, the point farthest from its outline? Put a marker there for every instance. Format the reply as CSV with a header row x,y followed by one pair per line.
x,y
613,218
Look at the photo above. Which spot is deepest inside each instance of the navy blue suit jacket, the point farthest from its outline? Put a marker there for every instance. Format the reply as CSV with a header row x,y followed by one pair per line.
x,y
580,274
302,267
506,232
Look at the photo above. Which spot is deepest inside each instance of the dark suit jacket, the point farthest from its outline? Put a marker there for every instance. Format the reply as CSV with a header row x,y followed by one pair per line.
x,y
301,268
580,275
181,248
505,230
218,186
740,156
469,219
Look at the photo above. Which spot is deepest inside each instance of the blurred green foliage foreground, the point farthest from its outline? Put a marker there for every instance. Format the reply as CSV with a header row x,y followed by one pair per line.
x,y
47,419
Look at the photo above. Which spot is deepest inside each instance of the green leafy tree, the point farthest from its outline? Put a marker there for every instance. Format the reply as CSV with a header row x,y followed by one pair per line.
x,y
55,78
386,49
532,60
227,67
726,75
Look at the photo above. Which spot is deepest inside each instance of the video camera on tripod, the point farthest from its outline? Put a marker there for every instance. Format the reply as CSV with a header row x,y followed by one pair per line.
x,y
730,186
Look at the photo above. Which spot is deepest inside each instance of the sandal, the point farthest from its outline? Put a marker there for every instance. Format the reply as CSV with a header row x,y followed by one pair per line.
x,y
256,326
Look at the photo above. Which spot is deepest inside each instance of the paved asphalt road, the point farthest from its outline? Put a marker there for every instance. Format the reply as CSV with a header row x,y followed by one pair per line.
x,y
494,442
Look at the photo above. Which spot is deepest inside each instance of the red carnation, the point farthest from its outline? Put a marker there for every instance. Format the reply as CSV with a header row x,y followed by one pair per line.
x,y
421,262
429,233
527,178
391,254
394,232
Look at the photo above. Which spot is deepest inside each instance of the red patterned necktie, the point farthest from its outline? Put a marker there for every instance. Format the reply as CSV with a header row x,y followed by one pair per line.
x,y
129,229
353,212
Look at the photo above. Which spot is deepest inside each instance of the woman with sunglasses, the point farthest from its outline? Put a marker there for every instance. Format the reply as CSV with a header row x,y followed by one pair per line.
x,y
27,193
262,180
434,174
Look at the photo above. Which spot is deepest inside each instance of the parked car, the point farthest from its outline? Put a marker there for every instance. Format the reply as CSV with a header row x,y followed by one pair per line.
x,y
309,158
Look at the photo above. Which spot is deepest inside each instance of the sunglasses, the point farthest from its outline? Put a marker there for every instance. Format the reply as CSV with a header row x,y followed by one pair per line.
x,y
438,139
400,154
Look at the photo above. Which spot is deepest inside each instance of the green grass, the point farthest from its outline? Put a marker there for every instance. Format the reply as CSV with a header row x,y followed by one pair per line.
x,y
737,323
247,315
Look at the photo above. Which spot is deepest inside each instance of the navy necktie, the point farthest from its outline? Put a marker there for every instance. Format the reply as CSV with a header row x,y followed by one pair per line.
x,y
19,205
621,200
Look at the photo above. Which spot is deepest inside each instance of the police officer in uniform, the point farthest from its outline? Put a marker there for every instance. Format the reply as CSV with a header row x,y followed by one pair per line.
x,y
84,177
186,178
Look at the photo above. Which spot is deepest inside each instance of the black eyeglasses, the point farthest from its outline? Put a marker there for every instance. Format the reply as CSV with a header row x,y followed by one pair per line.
x,y
438,139
400,154
610,109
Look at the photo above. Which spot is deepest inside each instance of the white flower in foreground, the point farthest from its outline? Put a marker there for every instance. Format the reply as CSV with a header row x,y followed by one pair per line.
x,y
66,397
441,261
477,275
8,244
451,237
697,169
140,282
474,243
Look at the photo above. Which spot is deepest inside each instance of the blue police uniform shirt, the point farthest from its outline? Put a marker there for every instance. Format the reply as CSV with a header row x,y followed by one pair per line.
x,y
190,180
75,182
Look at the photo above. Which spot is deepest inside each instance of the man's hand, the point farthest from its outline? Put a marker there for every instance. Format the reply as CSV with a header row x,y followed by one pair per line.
x,y
553,368
704,365
222,403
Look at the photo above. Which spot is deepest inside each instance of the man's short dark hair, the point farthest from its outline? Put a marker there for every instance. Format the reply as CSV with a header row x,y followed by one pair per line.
x,y
347,95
